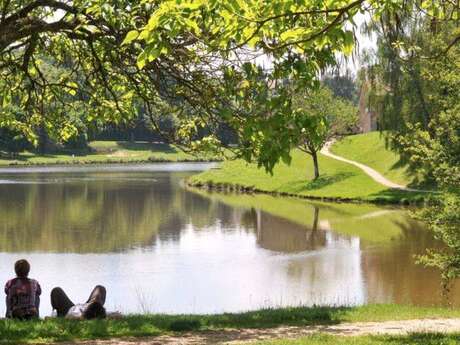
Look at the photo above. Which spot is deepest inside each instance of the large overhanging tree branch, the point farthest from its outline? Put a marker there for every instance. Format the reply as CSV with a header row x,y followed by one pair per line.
x,y
195,58
82,40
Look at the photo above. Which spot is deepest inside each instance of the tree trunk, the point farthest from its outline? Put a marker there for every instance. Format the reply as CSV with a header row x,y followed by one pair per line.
x,y
315,163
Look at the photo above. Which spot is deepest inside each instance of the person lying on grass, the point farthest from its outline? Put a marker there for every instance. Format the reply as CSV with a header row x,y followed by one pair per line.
x,y
22,294
92,309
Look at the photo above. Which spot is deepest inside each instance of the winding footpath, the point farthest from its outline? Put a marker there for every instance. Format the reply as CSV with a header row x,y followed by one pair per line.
x,y
247,336
375,175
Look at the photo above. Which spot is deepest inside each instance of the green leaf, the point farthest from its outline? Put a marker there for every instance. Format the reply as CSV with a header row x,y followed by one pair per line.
x,y
131,36
142,60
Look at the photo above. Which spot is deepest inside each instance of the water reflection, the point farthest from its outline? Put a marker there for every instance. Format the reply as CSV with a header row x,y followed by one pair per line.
x,y
160,247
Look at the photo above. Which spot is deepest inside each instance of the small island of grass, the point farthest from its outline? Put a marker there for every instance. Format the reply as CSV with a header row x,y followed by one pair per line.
x,y
338,181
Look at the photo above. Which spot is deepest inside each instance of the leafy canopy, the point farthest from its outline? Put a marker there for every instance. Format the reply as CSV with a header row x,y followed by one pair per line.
x,y
199,60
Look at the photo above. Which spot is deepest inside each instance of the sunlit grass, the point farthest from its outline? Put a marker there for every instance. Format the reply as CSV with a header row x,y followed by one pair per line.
x,y
371,149
338,180
53,330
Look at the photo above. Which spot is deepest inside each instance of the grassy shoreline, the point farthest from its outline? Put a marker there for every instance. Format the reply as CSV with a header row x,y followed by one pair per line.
x,y
108,152
103,162
395,197
338,182
56,330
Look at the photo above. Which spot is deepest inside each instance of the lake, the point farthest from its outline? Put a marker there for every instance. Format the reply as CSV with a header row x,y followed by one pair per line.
x,y
159,246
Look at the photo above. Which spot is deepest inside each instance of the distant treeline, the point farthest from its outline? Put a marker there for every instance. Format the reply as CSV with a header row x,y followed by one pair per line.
x,y
343,86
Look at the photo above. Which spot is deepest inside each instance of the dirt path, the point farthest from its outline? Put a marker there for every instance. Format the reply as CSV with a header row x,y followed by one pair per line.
x,y
247,336
375,175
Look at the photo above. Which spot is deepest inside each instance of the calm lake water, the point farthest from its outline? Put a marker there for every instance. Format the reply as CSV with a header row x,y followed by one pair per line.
x,y
160,247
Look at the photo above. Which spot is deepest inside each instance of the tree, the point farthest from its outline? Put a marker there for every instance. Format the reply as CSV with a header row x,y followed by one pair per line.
x,y
443,219
342,85
414,83
124,53
318,117
418,71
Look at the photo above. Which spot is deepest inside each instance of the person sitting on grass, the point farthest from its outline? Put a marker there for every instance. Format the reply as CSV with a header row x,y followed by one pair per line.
x,y
92,309
22,294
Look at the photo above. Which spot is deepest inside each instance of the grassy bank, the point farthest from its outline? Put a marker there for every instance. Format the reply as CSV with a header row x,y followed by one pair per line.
x,y
338,181
53,330
413,339
108,152
370,149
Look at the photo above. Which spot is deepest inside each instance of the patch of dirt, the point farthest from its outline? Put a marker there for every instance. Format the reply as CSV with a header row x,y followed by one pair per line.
x,y
242,336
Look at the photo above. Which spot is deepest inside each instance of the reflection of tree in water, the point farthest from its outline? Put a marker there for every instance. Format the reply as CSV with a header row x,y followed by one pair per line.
x,y
392,274
98,215
103,213
282,235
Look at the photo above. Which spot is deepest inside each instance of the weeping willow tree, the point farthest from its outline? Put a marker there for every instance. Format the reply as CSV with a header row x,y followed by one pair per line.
x,y
415,82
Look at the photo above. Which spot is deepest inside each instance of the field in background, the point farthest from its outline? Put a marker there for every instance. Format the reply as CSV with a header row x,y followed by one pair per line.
x,y
109,152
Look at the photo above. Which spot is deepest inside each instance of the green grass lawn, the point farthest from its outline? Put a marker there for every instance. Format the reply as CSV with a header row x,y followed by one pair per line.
x,y
338,180
109,152
412,339
370,149
53,330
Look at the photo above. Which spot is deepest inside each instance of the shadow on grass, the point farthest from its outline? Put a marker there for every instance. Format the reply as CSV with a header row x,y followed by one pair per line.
x,y
51,330
18,157
401,196
146,146
309,185
416,182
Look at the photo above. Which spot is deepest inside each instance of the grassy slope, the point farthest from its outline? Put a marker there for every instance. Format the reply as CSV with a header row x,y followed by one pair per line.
x,y
108,152
338,180
372,224
370,149
16,332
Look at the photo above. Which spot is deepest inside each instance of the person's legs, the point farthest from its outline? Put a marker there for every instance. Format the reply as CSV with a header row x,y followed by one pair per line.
x,y
60,302
94,310
95,303
97,295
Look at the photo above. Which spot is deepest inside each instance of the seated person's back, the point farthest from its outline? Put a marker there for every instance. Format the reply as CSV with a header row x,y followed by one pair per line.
x,y
22,293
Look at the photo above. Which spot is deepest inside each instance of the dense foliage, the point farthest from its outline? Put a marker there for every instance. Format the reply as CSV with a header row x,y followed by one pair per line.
x,y
173,57
444,219
415,81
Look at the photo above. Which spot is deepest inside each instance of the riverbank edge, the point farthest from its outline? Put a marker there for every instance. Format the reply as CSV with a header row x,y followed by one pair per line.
x,y
210,186
54,330
105,162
